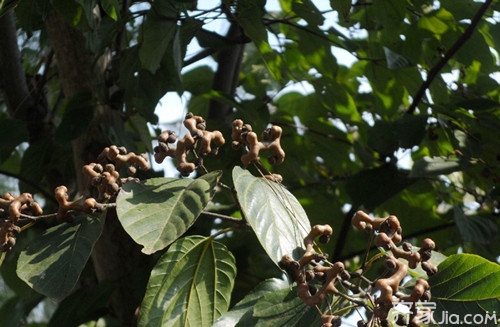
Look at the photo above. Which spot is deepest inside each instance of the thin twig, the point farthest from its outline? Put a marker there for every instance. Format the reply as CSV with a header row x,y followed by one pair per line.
x,y
36,218
225,230
46,194
447,56
240,221
313,131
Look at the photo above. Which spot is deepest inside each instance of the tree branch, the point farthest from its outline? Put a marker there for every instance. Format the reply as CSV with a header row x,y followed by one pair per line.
x,y
12,78
16,93
447,56
227,75
47,195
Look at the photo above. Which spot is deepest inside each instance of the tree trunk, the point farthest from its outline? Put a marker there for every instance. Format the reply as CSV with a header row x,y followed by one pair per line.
x,y
227,75
115,256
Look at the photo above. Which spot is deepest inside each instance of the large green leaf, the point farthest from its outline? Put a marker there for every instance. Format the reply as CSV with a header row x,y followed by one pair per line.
x,y
159,210
280,308
34,161
360,187
386,136
111,8
276,216
343,7
53,262
190,285
245,306
466,284
158,34
435,166
249,16
82,305
475,228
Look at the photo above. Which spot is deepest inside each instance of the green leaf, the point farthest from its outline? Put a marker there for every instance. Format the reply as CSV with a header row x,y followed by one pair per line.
x,y
111,8
159,210
158,34
249,16
360,187
466,284
140,125
245,306
6,5
30,16
343,7
395,60
461,9
82,305
177,56
78,114
210,39
198,80
9,275
386,136
434,23
72,12
52,263
14,132
34,161
276,216
15,310
281,308
190,285
435,166
478,104
475,228
308,11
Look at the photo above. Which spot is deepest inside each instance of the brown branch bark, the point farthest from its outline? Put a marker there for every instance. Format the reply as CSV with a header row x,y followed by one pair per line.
x,y
16,94
447,56
227,74
12,78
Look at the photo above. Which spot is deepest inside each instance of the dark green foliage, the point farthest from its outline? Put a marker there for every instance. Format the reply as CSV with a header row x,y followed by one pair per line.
x,y
406,128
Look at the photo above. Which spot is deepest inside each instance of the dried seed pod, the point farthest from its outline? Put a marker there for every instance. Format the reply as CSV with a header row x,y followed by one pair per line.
x,y
271,138
389,286
426,249
87,205
429,268
17,205
407,246
331,321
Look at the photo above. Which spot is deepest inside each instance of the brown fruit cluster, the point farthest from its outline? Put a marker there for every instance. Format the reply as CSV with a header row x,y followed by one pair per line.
x,y
388,233
87,205
198,141
327,274
104,175
243,136
11,209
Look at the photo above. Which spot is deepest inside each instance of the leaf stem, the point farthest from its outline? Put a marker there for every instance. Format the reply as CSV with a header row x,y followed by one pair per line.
x,y
223,231
240,221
